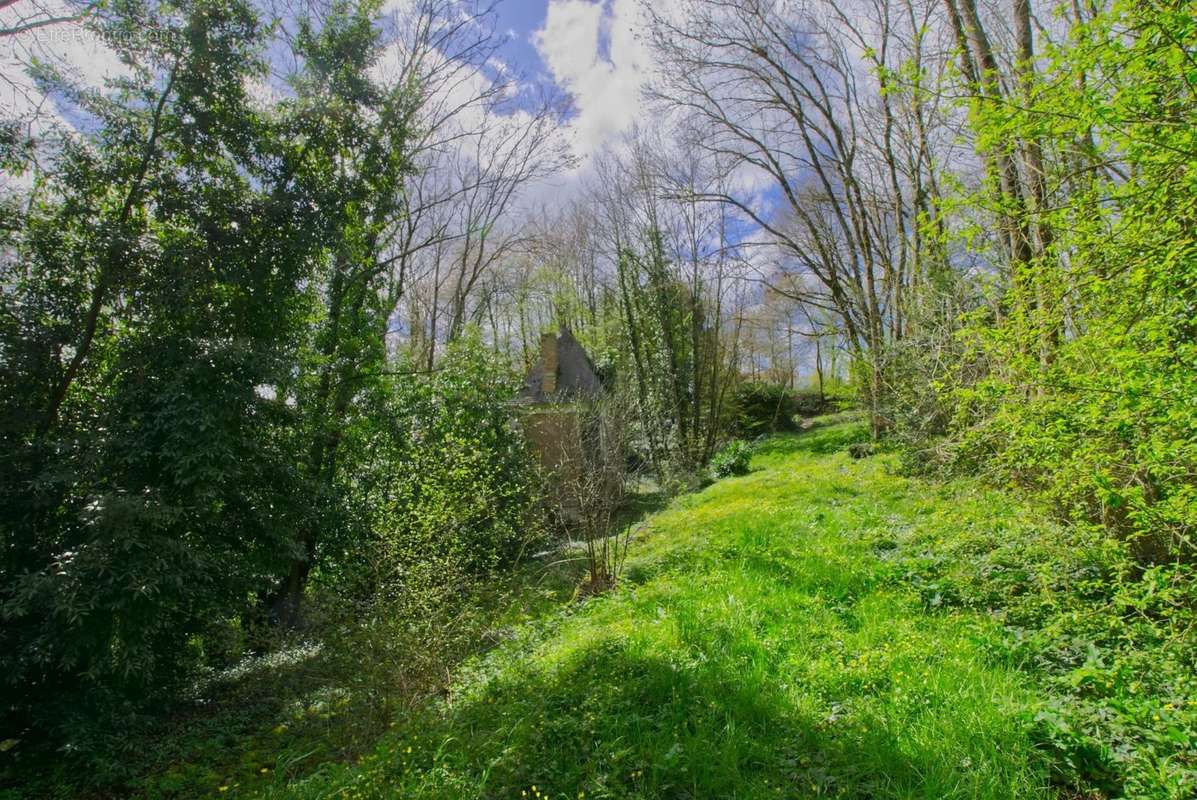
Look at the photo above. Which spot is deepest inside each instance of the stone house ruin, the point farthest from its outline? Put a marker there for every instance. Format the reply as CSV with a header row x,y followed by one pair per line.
x,y
563,377
557,394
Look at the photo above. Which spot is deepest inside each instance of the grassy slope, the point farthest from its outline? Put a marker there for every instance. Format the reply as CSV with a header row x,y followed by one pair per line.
x,y
756,650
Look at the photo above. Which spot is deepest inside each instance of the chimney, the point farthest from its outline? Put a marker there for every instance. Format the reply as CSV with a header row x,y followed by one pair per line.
x,y
548,357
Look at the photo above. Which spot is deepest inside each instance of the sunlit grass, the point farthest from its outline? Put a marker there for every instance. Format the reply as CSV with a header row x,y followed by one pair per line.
x,y
753,651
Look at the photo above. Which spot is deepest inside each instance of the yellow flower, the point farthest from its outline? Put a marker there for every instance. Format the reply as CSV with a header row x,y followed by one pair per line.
x,y
223,789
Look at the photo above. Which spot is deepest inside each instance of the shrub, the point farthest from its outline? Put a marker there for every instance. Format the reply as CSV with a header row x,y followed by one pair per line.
x,y
589,486
764,408
448,489
732,459
812,404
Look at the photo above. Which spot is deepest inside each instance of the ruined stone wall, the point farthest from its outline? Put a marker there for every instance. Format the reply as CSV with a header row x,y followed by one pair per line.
x,y
553,433
552,430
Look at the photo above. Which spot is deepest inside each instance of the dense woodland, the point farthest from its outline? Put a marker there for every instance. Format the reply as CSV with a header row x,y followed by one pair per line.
x,y
270,289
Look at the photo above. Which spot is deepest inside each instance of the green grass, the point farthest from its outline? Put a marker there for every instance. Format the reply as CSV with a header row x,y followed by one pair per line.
x,y
758,647
323,695
820,627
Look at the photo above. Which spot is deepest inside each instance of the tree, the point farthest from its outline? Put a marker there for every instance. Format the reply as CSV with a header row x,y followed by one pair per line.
x,y
356,133
778,89
476,146
151,289
672,265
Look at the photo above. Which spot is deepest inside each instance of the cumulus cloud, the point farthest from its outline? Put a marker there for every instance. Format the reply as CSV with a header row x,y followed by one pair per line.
x,y
594,52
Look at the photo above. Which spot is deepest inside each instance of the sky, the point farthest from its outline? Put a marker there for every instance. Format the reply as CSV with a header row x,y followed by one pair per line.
x,y
592,51
589,49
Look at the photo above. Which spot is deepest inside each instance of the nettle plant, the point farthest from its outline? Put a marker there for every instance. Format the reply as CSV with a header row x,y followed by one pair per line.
x,y
733,459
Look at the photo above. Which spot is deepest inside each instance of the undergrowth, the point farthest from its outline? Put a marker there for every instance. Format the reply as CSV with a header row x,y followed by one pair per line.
x,y
822,626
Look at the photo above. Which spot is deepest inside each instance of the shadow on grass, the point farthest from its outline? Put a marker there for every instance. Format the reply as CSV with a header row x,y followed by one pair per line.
x,y
615,719
326,698
648,499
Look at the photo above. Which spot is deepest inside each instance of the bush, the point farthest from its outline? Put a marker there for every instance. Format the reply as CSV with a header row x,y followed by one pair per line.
x,y
812,404
447,491
764,408
732,459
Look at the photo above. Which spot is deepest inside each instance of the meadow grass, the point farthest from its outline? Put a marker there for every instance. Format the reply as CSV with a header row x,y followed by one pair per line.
x,y
754,649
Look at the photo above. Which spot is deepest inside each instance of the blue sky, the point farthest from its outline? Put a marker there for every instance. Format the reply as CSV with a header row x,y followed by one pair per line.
x,y
590,50
522,18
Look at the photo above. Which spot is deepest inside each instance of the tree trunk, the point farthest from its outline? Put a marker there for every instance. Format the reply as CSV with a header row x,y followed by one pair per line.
x,y
1032,153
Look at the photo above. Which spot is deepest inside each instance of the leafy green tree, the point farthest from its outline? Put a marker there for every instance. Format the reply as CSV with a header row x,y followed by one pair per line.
x,y
1106,426
355,134
153,290
672,359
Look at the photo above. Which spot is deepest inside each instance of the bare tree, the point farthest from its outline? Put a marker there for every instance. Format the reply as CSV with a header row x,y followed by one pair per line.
x,y
808,95
479,147
590,484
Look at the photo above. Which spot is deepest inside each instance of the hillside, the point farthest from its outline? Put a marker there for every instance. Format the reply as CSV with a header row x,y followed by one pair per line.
x,y
770,640
433,399
820,627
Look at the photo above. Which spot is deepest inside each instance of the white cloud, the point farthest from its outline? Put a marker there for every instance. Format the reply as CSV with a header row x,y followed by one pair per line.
x,y
569,41
594,53
67,45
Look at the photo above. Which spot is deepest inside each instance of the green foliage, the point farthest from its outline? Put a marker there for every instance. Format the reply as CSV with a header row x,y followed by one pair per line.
x,y
1080,385
671,359
206,428
732,459
150,290
272,717
448,484
764,408
192,324
823,623
352,134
